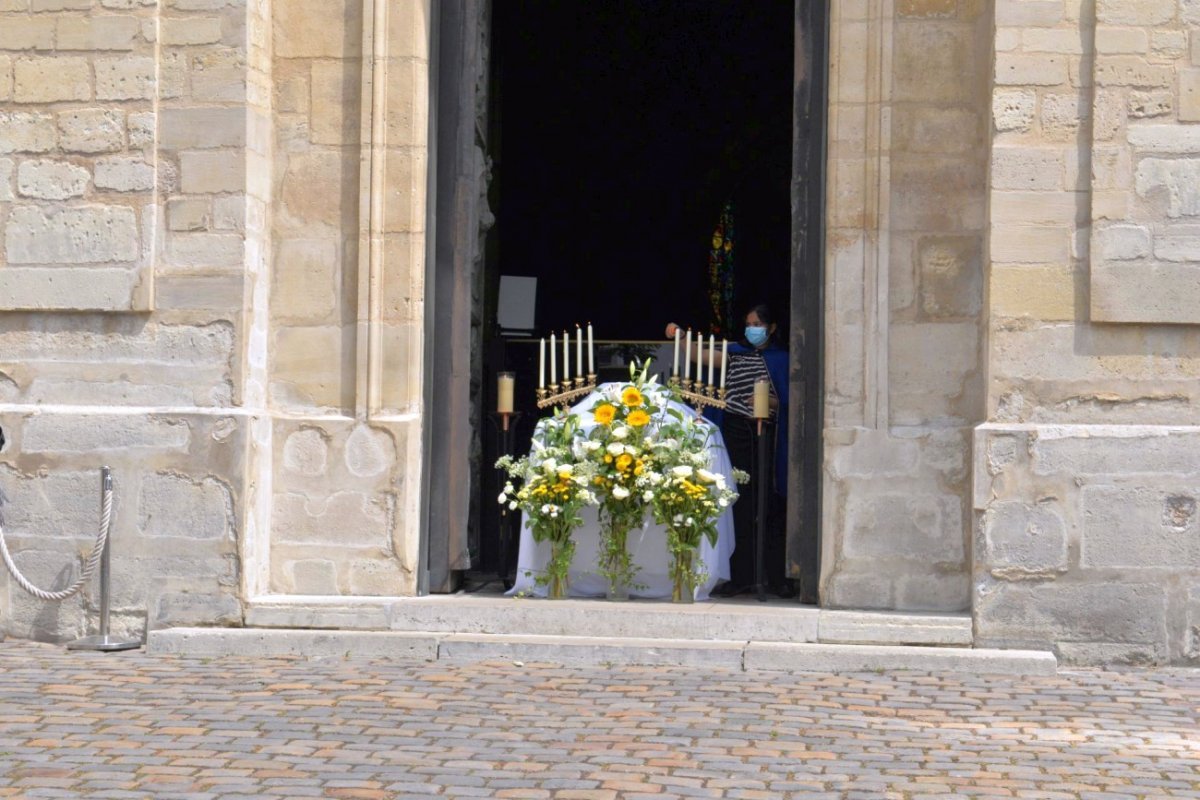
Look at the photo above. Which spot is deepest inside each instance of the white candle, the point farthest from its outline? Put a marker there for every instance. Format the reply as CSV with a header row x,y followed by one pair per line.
x,y
591,352
579,351
542,363
553,362
762,404
687,356
566,356
724,359
675,369
712,357
504,392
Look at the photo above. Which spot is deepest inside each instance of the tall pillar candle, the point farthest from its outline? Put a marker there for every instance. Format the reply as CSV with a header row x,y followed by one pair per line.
x,y
675,368
687,356
762,399
553,363
591,352
566,356
542,363
504,392
724,359
712,357
579,351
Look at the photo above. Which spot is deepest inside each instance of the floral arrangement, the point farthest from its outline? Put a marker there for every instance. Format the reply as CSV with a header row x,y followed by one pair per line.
x,y
619,450
638,455
555,486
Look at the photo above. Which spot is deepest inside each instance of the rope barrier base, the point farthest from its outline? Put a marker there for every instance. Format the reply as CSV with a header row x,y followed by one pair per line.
x,y
104,642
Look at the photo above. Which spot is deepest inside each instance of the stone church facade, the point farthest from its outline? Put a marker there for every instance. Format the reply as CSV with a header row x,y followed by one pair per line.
x,y
216,234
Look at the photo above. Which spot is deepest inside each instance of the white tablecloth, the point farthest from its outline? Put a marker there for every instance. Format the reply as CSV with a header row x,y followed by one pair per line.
x,y
647,546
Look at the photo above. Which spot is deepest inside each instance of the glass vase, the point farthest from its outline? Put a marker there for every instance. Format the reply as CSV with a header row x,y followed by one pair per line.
x,y
559,569
616,565
683,575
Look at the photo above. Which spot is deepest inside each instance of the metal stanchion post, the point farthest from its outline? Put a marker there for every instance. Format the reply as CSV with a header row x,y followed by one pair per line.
x,y
102,640
761,468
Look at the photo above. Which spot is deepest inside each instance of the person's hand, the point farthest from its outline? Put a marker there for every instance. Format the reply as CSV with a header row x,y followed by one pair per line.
x,y
671,328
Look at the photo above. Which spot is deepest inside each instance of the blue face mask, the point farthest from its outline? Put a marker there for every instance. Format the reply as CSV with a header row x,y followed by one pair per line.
x,y
756,335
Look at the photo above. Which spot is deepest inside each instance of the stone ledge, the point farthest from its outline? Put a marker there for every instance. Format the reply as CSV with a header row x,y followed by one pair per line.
x,y
595,651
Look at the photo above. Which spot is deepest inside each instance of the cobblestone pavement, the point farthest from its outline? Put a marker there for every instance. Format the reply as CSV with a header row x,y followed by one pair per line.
x,y
132,726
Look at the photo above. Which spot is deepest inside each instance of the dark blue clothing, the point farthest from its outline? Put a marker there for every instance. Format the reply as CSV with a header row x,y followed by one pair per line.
x,y
778,364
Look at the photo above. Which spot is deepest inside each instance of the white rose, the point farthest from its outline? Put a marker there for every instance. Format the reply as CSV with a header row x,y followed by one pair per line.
x,y
683,471
512,506
565,470
720,482
616,449
620,492
550,466
503,498
592,445
648,496
706,476
723,502
621,432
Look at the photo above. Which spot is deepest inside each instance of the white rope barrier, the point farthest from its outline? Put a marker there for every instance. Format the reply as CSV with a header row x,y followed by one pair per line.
x,y
89,568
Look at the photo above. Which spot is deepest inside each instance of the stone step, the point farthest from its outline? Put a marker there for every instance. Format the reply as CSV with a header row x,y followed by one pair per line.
x,y
595,651
738,620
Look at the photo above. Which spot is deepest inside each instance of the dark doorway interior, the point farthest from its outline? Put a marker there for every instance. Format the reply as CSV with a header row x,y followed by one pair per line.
x,y
619,130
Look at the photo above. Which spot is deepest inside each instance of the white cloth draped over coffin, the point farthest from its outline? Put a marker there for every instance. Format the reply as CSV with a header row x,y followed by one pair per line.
x,y
647,545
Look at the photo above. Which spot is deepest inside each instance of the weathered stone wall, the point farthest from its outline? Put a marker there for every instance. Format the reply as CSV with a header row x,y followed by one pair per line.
x,y
904,294
1085,479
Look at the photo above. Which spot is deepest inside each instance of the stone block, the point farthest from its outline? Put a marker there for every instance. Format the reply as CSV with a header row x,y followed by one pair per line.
x,y
190,30
6,77
1132,71
1138,527
50,80
1192,638
1177,248
1029,244
68,288
341,520
1121,452
308,370
321,187
1021,540
1189,11
1175,180
336,102
1052,40
26,33
1122,242
196,608
316,28
51,180
369,452
179,506
51,569
314,576
56,505
61,5
220,84
1045,292
92,130
925,9
202,128
142,125
1162,138
1052,614
223,292
1044,208
1063,115
1169,44
930,60
188,214
6,182
376,577
1189,94
125,78
124,175
927,527
1123,41
306,452
1027,168
951,275
1135,12
205,250
212,172
932,387
1013,110
1022,69
75,235
1028,13
91,33
305,279
229,213
79,433
875,453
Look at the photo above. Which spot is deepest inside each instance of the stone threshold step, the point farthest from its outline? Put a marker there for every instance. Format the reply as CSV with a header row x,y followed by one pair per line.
x,y
594,651
737,620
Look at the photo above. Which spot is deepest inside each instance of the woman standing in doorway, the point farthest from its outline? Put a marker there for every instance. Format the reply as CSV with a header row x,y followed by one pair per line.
x,y
757,355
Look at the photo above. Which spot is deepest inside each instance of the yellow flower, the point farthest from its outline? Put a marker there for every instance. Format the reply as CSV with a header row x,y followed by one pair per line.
x,y
604,413
624,461
631,397
637,418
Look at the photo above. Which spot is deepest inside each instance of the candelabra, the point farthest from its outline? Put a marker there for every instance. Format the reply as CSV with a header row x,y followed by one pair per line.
x,y
565,393
698,394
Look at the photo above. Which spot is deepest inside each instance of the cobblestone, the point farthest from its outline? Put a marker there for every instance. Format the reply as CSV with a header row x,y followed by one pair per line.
x,y
133,726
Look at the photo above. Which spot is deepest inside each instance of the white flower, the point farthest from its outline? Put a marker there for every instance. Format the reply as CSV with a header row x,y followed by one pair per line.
x,y
545,508
620,432
678,519
512,506
565,470
690,521
720,481
616,449
723,502
620,492
550,466
706,476
648,496
683,471
503,498
591,445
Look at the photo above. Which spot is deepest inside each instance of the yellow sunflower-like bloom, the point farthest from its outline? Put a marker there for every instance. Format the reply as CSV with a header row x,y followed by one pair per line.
x,y
631,397
604,413
624,462
637,418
